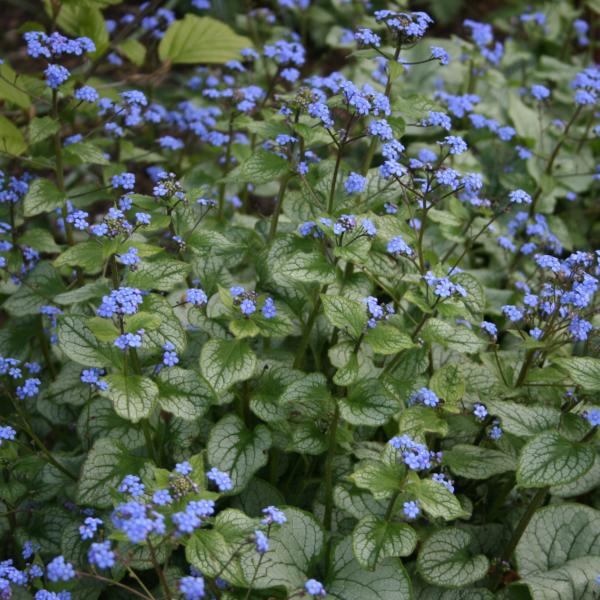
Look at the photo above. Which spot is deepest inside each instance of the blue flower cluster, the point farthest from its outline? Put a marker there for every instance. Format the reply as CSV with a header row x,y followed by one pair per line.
x,y
122,301
563,298
377,311
415,456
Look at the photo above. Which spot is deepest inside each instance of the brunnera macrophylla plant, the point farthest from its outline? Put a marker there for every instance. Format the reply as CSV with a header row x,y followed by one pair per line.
x,y
299,301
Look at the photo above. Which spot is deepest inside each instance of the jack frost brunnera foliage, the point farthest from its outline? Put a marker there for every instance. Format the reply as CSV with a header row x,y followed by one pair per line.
x,y
275,328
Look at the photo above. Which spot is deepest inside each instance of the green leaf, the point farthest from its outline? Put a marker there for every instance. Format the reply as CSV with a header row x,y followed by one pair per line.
x,y
184,393
142,320
550,459
42,197
85,153
196,40
238,451
381,479
387,339
558,555
417,420
444,560
11,139
524,421
77,341
162,275
368,403
261,167
291,259
89,291
38,289
583,371
454,337
170,329
87,255
346,314
99,475
375,539
80,19
8,91
104,329
475,462
348,581
225,362
294,547
41,128
210,553
40,240
134,50
133,396
435,499
448,383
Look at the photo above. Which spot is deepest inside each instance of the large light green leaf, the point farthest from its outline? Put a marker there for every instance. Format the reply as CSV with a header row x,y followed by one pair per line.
x,y
215,552
169,330
184,393
88,255
375,539
558,556
42,196
550,459
444,559
260,167
77,341
348,581
238,451
368,403
475,462
290,258
346,314
294,547
522,420
583,370
162,275
39,288
8,91
225,362
98,474
196,40
386,339
381,479
133,396
11,138
454,337
435,499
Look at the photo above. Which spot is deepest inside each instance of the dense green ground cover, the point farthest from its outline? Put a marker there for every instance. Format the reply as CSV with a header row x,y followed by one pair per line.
x,y
299,300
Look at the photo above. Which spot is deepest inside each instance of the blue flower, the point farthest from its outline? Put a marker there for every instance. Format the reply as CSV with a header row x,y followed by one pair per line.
x,y
411,509
440,54
101,555
86,94
355,184
60,570
489,328
315,588
398,247
170,358
455,143
366,37
540,92
132,484
191,587
89,527
261,542
125,181
519,197
269,310
183,468
222,480
424,396
196,297
273,515
56,75
480,411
